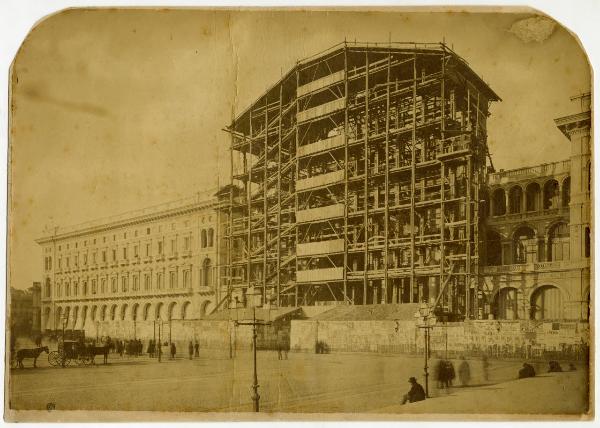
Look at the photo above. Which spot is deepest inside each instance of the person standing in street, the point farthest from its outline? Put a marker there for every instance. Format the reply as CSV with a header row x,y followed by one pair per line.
x,y
191,349
464,372
173,350
197,349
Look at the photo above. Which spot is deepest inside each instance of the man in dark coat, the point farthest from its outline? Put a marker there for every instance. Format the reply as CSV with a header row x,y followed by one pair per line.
x,y
196,349
191,350
526,371
416,392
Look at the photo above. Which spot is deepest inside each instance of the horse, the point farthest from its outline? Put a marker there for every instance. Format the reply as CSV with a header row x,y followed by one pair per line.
x,y
30,353
92,351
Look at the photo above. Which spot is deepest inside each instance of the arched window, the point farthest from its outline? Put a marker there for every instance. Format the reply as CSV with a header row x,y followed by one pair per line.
x,y
558,243
551,193
103,313
85,288
210,237
84,316
94,313
546,303
203,239
532,197
524,245
587,242
171,313
134,311
494,248
207,273
113,312
48,290
506,304
566,192
123,312
515,200
75,289
158,313
499,202
146,311
185,310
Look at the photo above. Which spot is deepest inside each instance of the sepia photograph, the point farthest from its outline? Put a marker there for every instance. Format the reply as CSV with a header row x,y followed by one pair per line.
x,y
299,214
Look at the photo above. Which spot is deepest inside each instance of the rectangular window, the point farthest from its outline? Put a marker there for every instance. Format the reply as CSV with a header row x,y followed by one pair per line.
x,y
124,284
186,243
186,279
94,258
147,250
76,261
103,286
135,251
135,283
172,280
94,286
147,279
68,259
148,231
85,259
114,254
125,253
104,256
59,263
159,278
173,246
160,245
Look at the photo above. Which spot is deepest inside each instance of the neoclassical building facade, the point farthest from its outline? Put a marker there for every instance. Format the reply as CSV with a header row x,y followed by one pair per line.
x,y
159,263
538,236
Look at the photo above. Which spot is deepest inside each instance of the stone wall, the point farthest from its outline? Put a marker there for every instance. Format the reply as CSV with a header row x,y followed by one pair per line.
x,y
508,339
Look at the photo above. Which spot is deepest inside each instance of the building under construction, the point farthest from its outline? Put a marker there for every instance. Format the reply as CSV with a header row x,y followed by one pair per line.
x,y
358,179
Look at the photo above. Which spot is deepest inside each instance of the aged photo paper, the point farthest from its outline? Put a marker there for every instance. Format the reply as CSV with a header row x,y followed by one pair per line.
x,y
347,214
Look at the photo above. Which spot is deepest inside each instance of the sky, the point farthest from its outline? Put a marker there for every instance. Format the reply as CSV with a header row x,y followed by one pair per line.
x,y
116,110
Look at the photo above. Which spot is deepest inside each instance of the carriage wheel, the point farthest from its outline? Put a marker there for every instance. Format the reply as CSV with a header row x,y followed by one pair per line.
x,y
54,359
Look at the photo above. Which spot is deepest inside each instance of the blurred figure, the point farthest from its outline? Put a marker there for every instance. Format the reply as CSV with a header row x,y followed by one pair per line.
x,y
554,366
572,367
416,392
191,349
526,371
486,368
173,350
464,372
196,349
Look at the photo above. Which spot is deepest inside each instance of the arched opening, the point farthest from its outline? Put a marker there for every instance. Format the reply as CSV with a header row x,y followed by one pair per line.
x,y
123,312
94,313
494,248
48,290
58,318
203,238
75,316
171,313
47,318
524,245
558,243
210,237
546,303
84,312
146,311
204,308
134,311
158,312
515,200
532,197
551,194
207,273
506,304
113,312
103,313
185,310
499,202
566,192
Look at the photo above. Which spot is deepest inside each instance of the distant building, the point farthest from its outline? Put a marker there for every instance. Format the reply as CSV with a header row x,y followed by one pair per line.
x,y
116,276
25,310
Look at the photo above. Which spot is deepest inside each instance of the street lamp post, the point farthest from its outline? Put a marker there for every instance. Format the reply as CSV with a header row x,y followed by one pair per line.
x,y
65,319
255,396
426,320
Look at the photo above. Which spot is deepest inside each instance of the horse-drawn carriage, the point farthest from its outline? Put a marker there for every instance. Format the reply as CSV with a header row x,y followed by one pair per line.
x,y
71,352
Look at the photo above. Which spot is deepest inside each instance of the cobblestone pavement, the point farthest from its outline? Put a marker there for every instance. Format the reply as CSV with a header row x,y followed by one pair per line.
x,y
306,383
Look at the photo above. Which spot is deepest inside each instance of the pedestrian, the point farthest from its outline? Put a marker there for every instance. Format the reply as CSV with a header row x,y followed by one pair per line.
x,y
173,350
486,368
197,349
464,372
526,371
191,349
416,392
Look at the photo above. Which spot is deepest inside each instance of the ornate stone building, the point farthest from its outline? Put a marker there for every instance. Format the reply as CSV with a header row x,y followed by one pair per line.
x,y
538,234
118,275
